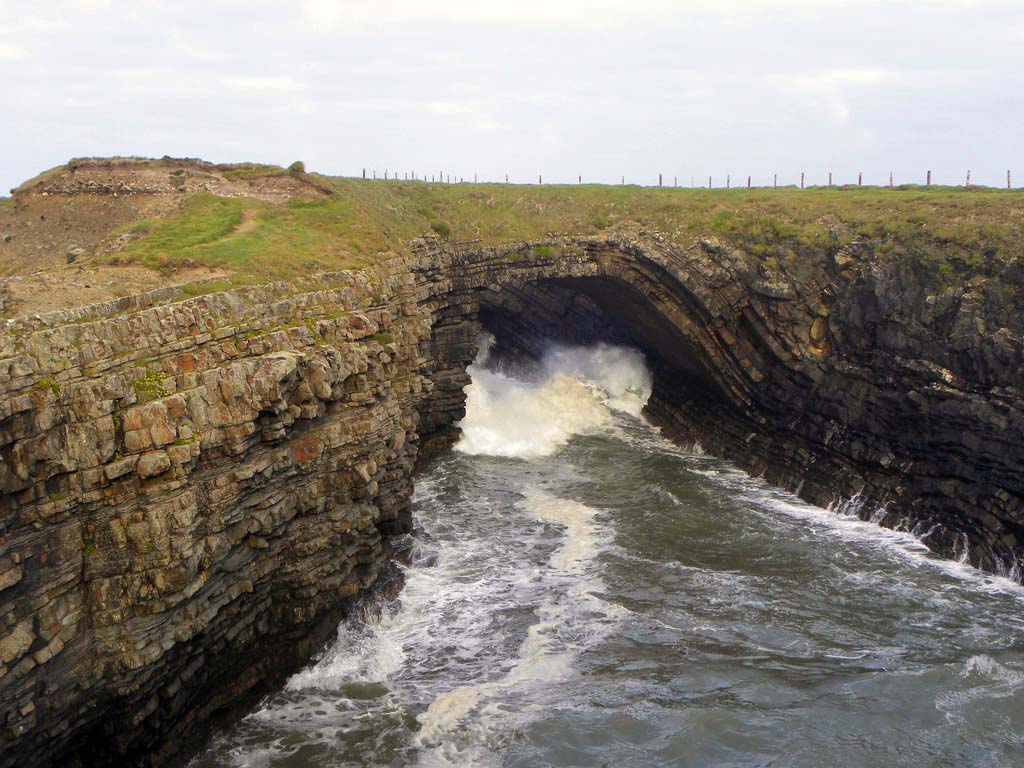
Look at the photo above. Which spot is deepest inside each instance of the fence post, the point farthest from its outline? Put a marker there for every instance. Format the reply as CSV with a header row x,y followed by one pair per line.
x,y
540,179
830,178
968,178
801,179
860,178
659,179
623,181
580,178
709,182
929,183
675,181
728,181
506,178
775,182
748,182
364,173
890,179
1008,185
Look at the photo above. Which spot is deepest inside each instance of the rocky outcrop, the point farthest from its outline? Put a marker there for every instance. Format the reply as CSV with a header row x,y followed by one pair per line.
x,y
195,490
189,492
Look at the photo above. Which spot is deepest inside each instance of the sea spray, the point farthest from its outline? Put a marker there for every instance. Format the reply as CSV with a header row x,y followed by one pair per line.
x,y
575,393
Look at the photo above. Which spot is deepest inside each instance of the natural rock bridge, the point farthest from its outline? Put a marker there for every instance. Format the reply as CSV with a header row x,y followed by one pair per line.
x,y
195,489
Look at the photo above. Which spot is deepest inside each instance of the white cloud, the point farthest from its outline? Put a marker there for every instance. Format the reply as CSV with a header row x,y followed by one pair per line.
x,y
264,84
599,87
12,52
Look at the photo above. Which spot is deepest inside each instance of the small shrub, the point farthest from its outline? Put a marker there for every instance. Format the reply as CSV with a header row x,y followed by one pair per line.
x,y
297,167
50,384
150,387
442,228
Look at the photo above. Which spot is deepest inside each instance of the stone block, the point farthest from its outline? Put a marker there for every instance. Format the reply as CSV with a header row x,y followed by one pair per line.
x,y
153,463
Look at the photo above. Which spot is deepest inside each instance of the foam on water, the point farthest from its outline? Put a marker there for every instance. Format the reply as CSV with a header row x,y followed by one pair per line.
x,y
577,392
464,725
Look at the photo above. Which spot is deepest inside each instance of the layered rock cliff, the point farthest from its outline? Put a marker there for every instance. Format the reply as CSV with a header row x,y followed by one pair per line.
x,y
194,490
190,490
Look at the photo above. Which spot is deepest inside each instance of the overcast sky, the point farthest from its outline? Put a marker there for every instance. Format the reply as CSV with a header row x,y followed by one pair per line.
x,y
602,88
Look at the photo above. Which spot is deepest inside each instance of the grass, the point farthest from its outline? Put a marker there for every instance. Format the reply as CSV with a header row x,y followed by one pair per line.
x,y
304,236
950,232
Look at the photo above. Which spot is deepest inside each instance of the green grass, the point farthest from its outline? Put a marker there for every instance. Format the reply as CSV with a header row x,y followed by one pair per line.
x,y
953,233
278,242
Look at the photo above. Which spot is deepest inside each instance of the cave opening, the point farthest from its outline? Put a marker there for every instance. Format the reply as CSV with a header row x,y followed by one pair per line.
x,y
526,320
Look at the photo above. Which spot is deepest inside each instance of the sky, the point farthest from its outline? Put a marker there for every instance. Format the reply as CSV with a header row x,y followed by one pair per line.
x,y
563,88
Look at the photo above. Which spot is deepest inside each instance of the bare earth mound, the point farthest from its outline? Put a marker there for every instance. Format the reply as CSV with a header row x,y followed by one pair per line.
x,y
67,216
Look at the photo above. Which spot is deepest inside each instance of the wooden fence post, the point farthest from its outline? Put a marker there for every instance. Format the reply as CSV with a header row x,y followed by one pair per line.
x,y
659,179
860,178
748,182
506,178
1008,185
623,181
709,182
580,178
830,178
801,179
364,173
775,182
929,183
540,178
728,181
675,181
890,179
968,178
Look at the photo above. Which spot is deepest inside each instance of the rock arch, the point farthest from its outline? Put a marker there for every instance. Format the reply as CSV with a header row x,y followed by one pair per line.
x,y
837,384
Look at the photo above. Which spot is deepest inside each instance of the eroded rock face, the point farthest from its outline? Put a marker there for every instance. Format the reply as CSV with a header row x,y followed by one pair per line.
x,y
194,492
854,383
189,492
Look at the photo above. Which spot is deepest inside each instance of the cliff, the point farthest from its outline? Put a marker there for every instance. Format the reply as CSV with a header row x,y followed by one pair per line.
x,y
188,490
198,483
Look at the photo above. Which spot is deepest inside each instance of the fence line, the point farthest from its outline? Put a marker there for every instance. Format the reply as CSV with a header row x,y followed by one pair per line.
x,y
966,181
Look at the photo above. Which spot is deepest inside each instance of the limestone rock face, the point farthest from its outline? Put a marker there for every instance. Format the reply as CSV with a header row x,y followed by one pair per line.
x,y
195,490
189,492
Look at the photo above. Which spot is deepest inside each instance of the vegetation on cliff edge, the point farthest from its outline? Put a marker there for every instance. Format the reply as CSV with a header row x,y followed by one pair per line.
x,y
954,233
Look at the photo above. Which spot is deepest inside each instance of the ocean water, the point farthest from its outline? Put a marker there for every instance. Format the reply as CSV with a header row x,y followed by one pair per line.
x,y
585,593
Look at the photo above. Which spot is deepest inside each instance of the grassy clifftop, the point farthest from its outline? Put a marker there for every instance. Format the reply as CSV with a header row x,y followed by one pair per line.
x,y
139,223
959,231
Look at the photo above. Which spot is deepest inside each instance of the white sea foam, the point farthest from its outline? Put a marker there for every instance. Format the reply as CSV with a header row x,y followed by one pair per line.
x,y
461,724
576,394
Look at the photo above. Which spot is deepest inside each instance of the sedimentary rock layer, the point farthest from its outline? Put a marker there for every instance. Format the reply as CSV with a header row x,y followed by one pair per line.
x,y
194,489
